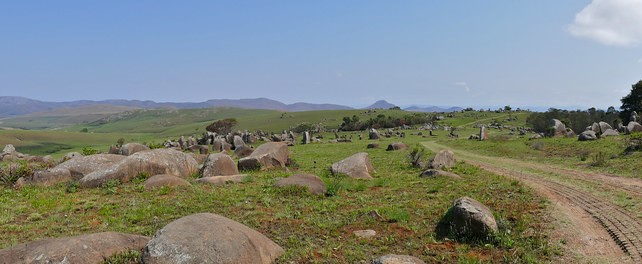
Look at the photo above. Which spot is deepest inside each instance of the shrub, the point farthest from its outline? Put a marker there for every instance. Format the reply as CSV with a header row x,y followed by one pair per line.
x,y
89,151
599,159
417,156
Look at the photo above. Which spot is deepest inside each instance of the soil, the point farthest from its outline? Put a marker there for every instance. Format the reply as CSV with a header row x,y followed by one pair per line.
x,y
588,227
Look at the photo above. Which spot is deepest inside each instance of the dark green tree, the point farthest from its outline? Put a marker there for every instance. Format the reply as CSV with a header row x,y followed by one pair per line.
x,y
631,102
222,126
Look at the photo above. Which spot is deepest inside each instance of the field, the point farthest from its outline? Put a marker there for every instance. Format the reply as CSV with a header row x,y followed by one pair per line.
x,y
401,207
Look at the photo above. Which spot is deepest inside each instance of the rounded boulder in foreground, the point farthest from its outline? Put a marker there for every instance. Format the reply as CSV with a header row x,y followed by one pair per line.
x,y
209,238
158,181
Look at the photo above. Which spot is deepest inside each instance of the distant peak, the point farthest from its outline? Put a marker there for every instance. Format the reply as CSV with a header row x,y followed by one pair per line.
x,y
381,104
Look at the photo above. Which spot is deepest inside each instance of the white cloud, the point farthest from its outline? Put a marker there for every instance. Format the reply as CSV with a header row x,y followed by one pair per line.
x,y
463,85
610,22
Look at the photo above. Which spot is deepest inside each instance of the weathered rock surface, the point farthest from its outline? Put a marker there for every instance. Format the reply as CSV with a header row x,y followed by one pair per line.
x,y
357,166
444,159
70,155
312,182
131,148
161,180
220,180
152,162
243,151
397,259
587,135
559,129
266,156
90,248
83,165
49,177
219,164
209,238
633,127
468,219
397,146
609,133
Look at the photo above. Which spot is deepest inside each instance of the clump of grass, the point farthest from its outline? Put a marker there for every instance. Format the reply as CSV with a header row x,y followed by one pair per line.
x,y
599,159
583,154
417,156
111,186
127,257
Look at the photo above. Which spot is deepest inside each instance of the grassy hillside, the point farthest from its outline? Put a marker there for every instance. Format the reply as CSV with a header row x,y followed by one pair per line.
x,y
401,207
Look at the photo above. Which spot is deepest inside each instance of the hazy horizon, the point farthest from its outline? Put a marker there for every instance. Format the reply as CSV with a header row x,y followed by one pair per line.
x,y
565,54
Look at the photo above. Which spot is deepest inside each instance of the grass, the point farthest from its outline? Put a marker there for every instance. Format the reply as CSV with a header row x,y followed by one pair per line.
x,y
311,228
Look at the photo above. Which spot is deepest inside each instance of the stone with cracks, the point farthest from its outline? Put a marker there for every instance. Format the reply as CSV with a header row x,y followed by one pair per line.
x,y
151,162
161,180
49,177
219,164
83,165
266,156
444,159
209,238
89,248
357,166
313,183
604,127
243,151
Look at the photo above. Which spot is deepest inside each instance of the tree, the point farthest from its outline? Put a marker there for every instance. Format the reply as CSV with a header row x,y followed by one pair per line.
x,y
223,126
632,102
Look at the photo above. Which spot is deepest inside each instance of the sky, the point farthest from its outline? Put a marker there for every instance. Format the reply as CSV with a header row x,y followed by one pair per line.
x,y
551,53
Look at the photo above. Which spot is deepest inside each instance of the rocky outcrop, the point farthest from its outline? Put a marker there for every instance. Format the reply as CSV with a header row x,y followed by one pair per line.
x,y
151,162
267,156
90,248
467,220
209,238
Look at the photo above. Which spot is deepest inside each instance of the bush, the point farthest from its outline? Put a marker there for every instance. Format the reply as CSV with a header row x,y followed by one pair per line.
x,y
417,156
89,151
599,159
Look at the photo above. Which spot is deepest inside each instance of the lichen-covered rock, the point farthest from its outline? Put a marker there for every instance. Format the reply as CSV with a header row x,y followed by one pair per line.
x,y
266,156
219,164
443,159
468,219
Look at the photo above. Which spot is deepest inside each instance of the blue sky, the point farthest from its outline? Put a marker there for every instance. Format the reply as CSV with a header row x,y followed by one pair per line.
x,y
464,53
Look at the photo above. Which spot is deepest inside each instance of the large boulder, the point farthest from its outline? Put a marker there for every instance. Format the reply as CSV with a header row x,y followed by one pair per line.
x,y
89,248
313,183
151,162
238,142
604,127
161,180
397,259
266,156
468,219
49,177
374,134
587,135
559,129
444,159
397,146
209,238
218,164
357,166
131,148
610,132
83,165
633,127
243,151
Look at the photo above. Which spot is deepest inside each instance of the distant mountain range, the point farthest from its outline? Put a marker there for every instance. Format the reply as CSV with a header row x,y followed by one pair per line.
x,y
16,106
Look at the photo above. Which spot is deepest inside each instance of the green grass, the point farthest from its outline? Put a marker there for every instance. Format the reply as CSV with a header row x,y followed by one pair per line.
x,y
312,229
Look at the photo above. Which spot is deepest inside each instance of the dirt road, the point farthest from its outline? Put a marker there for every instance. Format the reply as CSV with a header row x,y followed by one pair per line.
x,y
591,226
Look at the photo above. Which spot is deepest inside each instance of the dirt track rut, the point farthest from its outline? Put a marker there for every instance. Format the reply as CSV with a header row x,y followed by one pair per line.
x,y
623,227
